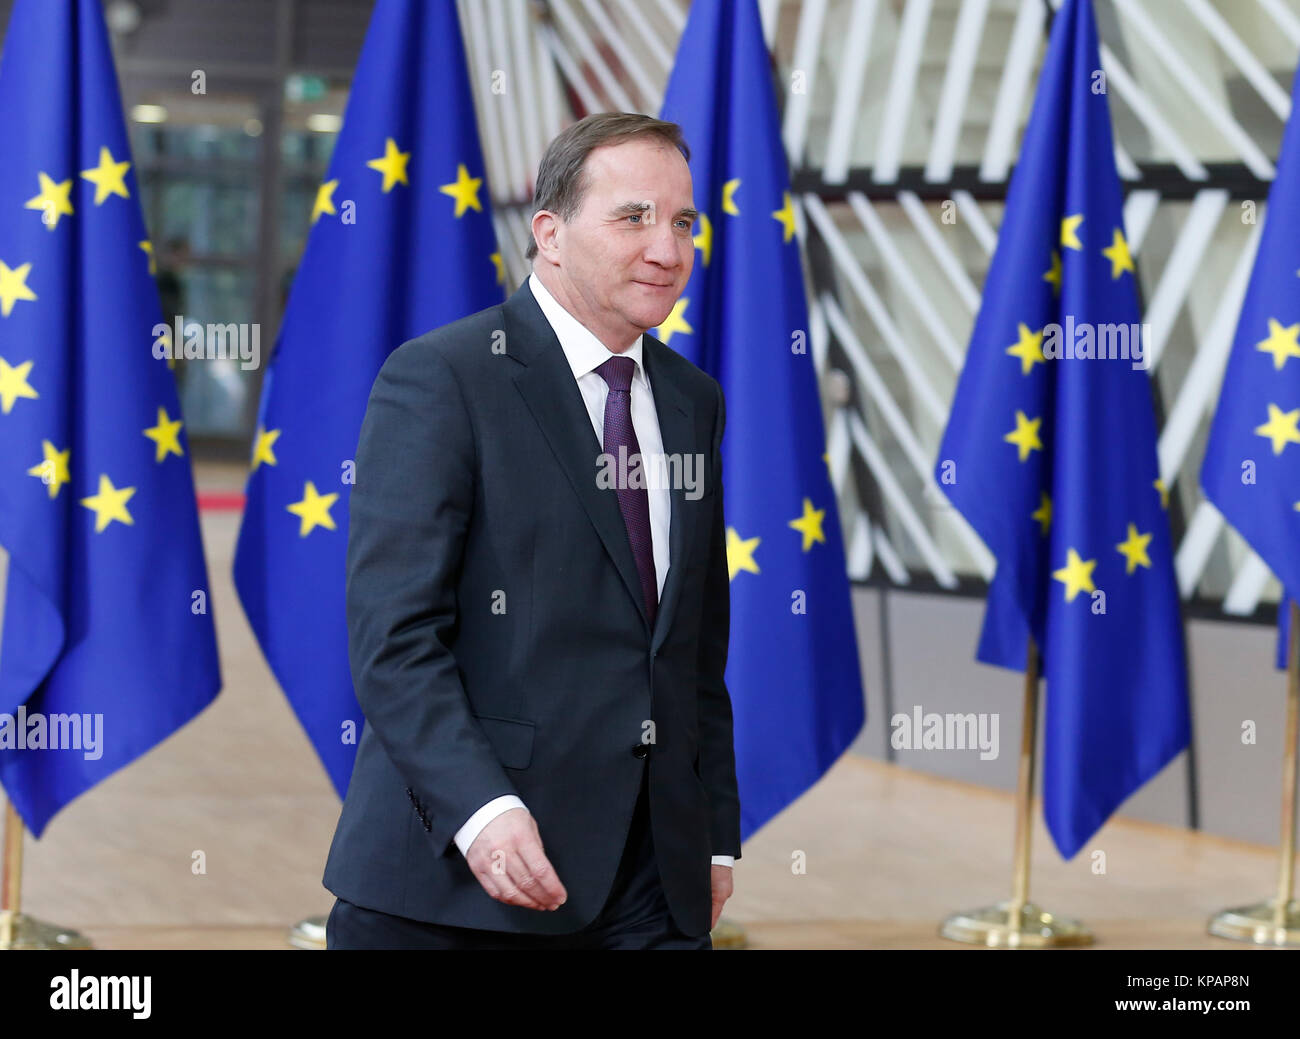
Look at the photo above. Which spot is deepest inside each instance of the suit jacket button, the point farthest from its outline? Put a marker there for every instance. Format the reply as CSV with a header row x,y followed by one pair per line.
x,y
640,750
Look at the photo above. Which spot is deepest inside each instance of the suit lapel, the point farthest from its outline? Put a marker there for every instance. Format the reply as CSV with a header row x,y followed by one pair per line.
x,y
546,383
676,427
551,393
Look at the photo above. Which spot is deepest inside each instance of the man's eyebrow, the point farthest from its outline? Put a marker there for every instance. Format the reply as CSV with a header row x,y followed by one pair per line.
x,y
630,208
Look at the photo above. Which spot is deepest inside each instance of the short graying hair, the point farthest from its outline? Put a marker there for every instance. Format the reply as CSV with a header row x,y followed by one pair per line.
x,y
562,180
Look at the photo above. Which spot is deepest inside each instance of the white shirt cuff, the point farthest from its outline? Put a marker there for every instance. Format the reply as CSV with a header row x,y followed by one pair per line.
x,y
475,823
466,835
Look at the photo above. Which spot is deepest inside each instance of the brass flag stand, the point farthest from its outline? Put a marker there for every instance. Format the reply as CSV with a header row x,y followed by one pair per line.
x,y
308,933
18,931
1276,922
1019,923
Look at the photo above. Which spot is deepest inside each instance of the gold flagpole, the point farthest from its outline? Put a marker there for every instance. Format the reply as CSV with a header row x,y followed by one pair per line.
x,y
1019,923
11,882
18,931
1276,922
1024,792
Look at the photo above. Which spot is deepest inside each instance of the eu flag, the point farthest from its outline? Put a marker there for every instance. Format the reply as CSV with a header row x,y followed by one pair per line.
x,y
108,642
1252,468
1050,453
793,672
401,242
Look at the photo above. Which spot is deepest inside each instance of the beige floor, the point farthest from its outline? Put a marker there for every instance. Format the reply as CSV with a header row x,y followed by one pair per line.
x,y
888,852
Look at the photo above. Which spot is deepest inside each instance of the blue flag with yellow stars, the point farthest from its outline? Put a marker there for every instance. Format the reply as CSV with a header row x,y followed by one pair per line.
x,y
401,242
1050,453
108,643
792,671
1252,464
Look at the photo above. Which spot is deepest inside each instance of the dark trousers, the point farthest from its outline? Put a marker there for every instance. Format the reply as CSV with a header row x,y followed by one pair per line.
x,y
635,916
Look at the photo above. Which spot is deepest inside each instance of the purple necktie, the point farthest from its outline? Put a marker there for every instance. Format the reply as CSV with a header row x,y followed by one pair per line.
x,y
633,502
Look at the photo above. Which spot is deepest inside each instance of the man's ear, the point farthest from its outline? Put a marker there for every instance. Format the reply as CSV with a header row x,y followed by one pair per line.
x,y
545,227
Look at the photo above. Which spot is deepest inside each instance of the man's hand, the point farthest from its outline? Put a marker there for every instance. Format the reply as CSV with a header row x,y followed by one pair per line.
x,y
508,860
720,879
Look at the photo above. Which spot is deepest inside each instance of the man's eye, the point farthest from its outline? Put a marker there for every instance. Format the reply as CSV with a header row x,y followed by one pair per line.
x,y
634,216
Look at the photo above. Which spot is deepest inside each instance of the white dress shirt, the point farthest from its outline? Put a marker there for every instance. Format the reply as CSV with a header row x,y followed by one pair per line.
x,y
585,353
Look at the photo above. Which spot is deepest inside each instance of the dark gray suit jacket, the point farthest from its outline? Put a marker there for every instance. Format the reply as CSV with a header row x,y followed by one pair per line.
x,y
498,639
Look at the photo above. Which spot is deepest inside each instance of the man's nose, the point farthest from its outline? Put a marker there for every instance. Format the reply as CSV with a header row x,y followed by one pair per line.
x,y
661,249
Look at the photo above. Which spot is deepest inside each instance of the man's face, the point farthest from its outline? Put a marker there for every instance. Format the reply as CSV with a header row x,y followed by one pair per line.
x,y
627,254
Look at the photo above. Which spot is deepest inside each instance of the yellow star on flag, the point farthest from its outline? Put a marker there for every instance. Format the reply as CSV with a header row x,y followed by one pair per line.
x,y
1069,232
498,261
740,554
164,345
785,215
392,165
1118,254
263,447
1029,349
464,189
13,384
675,321
1159,485
13,286
109,177
324,201
166,435
1134,550
729,197
54,200
1076,575
147,246
1054,275
810,524
704,240
109,504
53,470
313,510
1280,427
1025,435
1282,342
1043,514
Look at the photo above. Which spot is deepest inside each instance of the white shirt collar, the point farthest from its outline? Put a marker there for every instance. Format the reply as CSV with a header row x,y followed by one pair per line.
x,y
583,350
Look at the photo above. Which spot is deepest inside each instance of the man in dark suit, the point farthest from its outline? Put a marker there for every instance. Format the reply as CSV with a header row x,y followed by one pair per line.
x,y
537,596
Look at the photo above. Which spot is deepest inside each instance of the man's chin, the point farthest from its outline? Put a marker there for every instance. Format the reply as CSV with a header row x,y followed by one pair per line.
x,y
650,317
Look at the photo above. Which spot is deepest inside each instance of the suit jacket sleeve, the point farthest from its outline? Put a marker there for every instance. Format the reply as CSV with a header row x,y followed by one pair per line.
x,y
717,747
410,509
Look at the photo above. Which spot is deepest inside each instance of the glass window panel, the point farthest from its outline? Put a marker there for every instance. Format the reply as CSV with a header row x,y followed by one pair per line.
x,y
216,392
210,216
